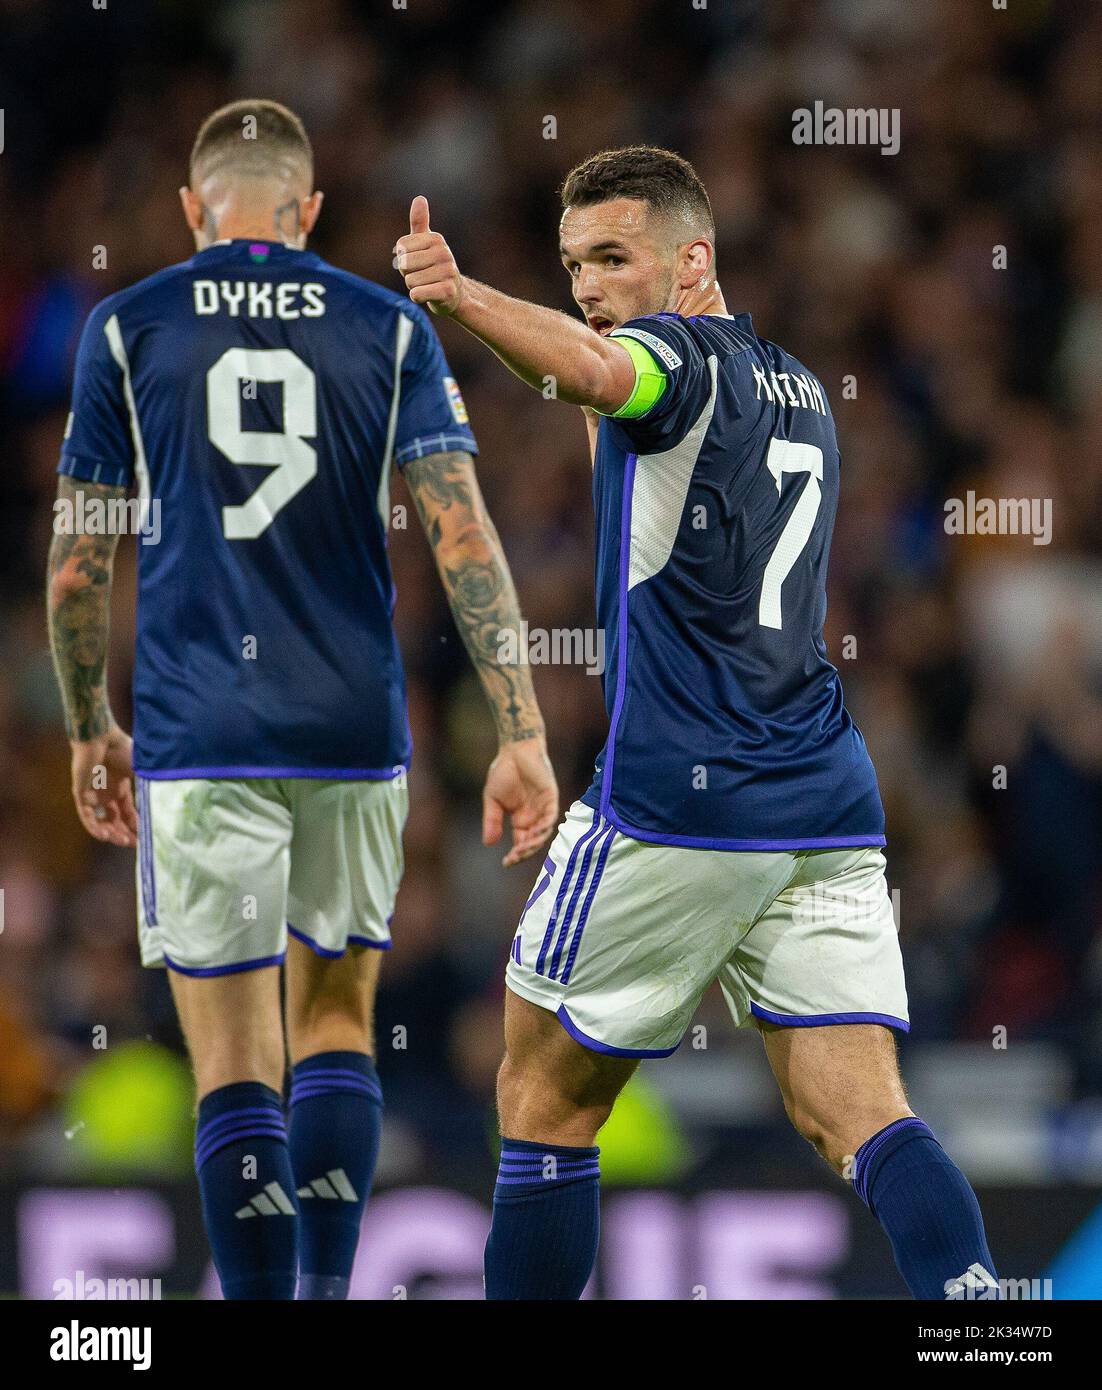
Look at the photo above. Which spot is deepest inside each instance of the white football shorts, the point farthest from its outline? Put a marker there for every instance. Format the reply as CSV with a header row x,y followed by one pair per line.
x,y
226,868
621,938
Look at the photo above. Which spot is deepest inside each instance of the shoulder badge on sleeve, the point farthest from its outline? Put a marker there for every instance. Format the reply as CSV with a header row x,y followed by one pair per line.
x,y
455,400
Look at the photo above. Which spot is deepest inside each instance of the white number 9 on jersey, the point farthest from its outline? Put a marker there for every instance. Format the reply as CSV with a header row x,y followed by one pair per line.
x,y
293,461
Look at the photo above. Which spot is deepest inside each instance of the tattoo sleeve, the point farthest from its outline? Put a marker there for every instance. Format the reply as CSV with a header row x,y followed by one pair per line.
x,y
476,579
78,599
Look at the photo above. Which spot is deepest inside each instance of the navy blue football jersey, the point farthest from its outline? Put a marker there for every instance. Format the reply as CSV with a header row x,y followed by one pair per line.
x,y
258,397
714,513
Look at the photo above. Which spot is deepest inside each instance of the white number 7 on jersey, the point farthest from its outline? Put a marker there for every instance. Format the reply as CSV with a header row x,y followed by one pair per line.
x,y
786,457
295,460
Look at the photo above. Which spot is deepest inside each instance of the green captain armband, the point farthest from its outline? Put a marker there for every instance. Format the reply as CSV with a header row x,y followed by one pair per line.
x,y
650,382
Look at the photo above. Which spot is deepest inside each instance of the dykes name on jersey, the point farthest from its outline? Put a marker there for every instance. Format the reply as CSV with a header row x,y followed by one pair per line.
x,y
259,299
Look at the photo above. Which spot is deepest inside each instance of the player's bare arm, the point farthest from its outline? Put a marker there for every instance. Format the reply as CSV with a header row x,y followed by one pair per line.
x,y
78,609
534,342
483,600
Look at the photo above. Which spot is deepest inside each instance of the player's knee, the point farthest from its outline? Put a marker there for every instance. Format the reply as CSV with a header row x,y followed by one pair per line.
x,y
332,1029
224,1061
330,1004
837,1139
533,1101
824,1138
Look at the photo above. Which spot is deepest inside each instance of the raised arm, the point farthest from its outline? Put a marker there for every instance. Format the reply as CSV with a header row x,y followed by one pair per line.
x,y
534,342
78,613
483,600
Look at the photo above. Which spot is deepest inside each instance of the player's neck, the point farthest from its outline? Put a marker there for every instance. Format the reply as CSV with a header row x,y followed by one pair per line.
x,y
248,222
249,231
716,305
694,301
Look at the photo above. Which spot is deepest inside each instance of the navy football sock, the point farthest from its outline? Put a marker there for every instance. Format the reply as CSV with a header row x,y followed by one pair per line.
x,y
248,1190
543,1241
336,1116
929,1211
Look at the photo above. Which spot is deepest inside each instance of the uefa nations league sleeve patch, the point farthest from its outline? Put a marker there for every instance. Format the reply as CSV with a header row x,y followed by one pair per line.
x,y
455,400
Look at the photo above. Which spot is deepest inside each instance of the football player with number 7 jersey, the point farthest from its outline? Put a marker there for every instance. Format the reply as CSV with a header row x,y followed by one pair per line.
x,y
734,830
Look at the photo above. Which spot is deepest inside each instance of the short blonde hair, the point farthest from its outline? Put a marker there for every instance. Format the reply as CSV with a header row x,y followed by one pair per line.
x,y
252,138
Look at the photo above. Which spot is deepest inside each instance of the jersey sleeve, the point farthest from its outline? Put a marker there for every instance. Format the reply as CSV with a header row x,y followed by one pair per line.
x,y
673,384
99,444
432,417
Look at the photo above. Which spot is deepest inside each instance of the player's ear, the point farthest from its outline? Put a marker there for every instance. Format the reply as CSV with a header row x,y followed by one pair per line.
x,y
311,211
694,260
193,208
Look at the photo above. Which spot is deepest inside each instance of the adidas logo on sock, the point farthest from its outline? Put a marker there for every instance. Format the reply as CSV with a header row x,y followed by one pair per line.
x,y
967,1285
335,1184
273,1201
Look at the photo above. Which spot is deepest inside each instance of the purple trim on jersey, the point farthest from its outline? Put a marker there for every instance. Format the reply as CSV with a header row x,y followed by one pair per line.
x,y
621,633
427,444
90,470
654,837
328,952
583,916
541,959
205,971
568,917
321,774
595,1045
827,1020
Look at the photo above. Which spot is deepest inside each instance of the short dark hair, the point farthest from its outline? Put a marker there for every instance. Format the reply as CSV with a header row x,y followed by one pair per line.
x,y
251,137
663,180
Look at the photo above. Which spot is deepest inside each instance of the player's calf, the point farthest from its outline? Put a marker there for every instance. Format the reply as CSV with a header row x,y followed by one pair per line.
x,y
248,1190
553,1097
232,1026
842,1090
927,1209
336,1108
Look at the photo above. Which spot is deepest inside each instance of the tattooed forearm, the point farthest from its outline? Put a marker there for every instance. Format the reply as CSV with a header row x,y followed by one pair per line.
x,y
77,604
477,581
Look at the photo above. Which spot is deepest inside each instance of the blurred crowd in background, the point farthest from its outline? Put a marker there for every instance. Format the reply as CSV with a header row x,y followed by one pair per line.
x,y
972,663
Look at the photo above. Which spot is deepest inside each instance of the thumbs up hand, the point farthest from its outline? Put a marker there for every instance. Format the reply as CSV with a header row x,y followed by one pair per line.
x,y
427,264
